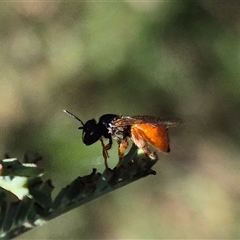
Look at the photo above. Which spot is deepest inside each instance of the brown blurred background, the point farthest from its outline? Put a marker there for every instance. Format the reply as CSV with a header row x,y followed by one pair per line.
x,y
167,59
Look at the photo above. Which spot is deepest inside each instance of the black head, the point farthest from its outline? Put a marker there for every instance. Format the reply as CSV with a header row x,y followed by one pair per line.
x,y
91,132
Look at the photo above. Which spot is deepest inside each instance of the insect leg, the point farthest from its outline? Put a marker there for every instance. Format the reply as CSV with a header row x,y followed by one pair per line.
x,y
141,143
105,152
109,145
122,145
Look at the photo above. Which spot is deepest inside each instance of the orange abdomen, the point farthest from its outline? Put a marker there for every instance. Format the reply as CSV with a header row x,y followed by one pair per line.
x,y
155,135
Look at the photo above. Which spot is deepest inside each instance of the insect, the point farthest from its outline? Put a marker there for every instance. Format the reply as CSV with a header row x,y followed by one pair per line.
x,y
143,130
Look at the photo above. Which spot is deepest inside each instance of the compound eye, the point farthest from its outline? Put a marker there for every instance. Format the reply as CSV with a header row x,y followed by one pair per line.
x,y
91,132
91,137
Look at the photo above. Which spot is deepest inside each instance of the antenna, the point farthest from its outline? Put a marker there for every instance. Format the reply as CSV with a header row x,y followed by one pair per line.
x,y
72,115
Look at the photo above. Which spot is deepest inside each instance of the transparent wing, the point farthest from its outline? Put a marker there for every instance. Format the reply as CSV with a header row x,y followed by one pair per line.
x,y
127,121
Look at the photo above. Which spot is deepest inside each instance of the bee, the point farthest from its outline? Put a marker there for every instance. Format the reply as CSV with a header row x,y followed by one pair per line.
x,y
142,130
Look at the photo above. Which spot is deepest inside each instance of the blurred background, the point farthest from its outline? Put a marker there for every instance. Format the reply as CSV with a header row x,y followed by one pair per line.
x,y
163,58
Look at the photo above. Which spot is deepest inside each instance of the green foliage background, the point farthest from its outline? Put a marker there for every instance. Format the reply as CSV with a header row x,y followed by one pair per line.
x,y
171,59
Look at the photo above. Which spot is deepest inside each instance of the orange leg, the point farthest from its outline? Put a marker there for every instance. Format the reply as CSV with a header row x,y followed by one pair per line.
x,y
122,145
142,144
105,149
